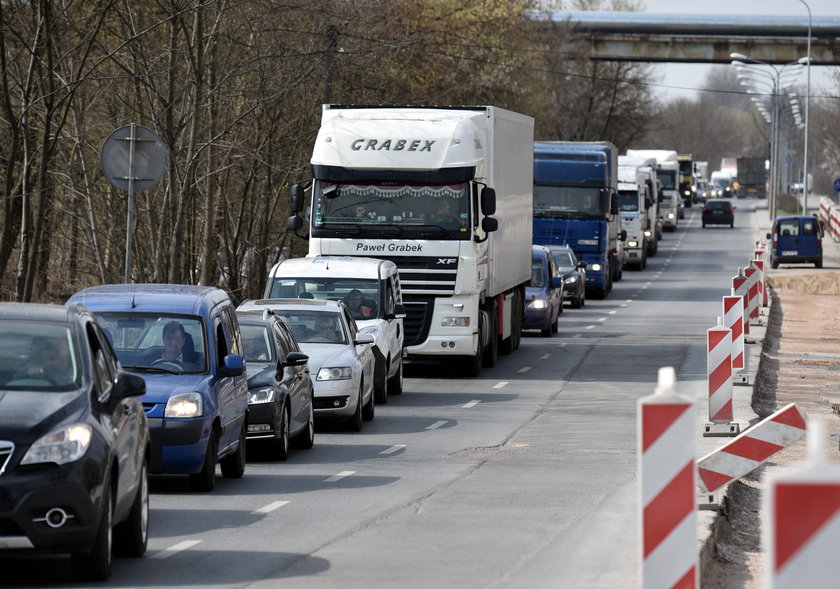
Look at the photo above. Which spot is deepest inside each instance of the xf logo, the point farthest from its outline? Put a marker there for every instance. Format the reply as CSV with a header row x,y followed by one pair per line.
x,y
446,261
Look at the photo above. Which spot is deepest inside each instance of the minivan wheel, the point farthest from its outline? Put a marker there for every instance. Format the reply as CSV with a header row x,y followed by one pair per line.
x,y
205,480
233,465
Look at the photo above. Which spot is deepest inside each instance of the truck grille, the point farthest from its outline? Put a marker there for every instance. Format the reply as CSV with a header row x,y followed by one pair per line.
x,y
6,449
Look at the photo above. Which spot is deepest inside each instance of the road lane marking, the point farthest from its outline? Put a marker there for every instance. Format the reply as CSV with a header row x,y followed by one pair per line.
x,y
392,449
175,549
524,369
612,312
578,336
437,424
471,404
545,356
270,507
339,476
590,327
500,384
602,318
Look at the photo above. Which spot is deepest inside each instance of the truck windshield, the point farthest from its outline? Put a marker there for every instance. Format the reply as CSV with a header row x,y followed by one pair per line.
x,y
560,202
628,200
668,179
381,209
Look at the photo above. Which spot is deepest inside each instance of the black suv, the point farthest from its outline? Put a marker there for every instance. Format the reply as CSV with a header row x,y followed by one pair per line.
x,y
74,445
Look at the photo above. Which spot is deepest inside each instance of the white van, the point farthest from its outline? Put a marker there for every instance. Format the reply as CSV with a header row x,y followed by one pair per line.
x,y
369,287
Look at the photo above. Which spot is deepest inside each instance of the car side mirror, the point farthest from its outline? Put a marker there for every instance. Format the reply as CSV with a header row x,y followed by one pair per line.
x,y
581,265
234,366
399,313
296,359
769,236
556,282
363,338
128,385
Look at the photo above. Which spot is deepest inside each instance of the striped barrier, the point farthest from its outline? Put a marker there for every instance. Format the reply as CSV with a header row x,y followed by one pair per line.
x,y
802,521
740,287
746,452
719,371
733,319
830,214
752,292
762,282
667,484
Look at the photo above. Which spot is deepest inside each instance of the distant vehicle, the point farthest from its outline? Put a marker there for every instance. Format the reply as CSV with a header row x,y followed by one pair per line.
x,y
280,393
74,444
574,275
371,289
721,184
543,293
197,402
796,240
667,172
718,212
752,177
686,179
702,192
339,355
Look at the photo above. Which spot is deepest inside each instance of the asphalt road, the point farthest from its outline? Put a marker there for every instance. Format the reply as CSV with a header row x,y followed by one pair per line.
x,y
523,477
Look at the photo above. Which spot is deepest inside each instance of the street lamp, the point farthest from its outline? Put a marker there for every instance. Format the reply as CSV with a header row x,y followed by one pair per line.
x,y
807,108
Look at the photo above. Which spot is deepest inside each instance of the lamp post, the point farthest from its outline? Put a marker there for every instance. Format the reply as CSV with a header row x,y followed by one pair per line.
x,y
748,77
807,108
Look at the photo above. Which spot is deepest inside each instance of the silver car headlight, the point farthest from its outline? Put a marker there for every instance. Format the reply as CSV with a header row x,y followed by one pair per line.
x,y
335,373
60,446
261,395
571,279
538,304
184,405
670,215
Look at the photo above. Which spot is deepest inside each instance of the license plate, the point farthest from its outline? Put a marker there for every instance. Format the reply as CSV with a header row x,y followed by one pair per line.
x,y
717,212
790,252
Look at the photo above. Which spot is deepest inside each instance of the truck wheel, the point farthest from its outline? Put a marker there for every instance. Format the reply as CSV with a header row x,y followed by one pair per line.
x,y
491,353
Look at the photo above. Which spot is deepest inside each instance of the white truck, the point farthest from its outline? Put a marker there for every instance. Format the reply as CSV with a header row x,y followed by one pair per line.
x,y
635,204
371,290
667,172
446,193
645,168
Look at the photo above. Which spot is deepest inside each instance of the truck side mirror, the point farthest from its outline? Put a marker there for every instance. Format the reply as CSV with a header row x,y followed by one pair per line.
x,y
296,198
489,224
623,235
613,204
488,201
294,223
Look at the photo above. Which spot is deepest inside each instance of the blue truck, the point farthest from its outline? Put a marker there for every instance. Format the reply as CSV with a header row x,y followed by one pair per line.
x,y
576,204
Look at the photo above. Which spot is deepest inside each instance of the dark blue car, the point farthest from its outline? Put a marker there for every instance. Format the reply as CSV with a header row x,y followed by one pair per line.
x,y
796,239
185,341
543,293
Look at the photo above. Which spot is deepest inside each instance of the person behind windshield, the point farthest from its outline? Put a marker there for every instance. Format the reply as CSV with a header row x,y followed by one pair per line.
x,y
358,308
445,215
174,337
325,330
49,359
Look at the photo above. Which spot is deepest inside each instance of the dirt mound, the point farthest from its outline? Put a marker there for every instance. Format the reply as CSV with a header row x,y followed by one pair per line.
x,y
819,283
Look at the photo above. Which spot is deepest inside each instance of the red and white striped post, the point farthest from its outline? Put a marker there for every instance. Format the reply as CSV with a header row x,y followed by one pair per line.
x,y
802,520
746,452
733,319
740,287
762,281
751,272
667,483
719,371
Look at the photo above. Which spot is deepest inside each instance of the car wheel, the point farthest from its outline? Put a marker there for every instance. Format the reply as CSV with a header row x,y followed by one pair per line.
x,y
306,439
380,392
354,424
704,225
818,263
205,480
554,327
132,536
395,387
369,409
281,443
233,465
774,264
96,564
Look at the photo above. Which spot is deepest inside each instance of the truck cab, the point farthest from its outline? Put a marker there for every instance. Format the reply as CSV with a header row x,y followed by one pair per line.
x,y
371,290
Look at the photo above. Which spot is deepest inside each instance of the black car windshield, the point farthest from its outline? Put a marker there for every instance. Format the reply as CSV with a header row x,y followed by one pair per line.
x,y
38,356
563,259
157,342
256,340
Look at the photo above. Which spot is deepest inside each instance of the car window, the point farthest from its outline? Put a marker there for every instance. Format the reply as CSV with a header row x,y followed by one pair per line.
x,y
104,367
256,342
809,227
789,227
537,273
563,259
311,327
333,289
38,356
138,340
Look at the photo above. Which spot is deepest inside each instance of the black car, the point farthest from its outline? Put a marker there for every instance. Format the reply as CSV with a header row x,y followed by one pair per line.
x,y
718,212
280,390
573,272
74,444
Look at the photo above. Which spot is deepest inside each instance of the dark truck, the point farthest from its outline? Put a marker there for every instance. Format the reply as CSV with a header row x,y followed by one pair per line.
x,y
752,177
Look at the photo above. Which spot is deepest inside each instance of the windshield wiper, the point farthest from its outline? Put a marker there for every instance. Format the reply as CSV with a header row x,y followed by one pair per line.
x,y
155,369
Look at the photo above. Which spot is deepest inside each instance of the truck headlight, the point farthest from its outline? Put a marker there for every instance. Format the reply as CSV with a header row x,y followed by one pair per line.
x,y
537,304
263,395
596,267
648,233
184,405
455,322
335,373
670,215
633,243
60,446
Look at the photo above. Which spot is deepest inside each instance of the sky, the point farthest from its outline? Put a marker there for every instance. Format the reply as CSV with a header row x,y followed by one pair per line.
x,y
681,80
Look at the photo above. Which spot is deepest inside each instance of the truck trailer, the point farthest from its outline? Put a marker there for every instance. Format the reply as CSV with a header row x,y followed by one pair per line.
x,y
752,177
576,204
446,194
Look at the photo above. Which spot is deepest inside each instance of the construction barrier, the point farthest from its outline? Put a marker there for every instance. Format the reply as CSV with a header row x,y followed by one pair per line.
x,y
733,319
830,214
719,380
667,483
740,287
763,300
746,452
751,273
802,521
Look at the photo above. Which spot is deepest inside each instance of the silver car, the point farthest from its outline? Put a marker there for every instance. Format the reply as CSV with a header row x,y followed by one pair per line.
x,y
340,356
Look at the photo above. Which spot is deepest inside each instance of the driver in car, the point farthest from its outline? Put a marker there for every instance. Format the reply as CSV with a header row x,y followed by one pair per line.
x,y
174,337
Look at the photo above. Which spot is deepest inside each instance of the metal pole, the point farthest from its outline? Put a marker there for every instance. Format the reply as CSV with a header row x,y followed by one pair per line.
x,y
807,105
128,230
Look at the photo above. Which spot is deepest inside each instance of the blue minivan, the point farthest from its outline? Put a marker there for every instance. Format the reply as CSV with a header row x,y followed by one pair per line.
x,y
185,342
796,240
543,293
